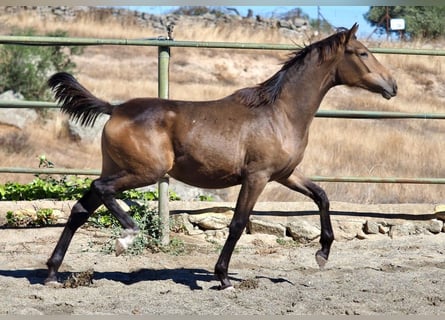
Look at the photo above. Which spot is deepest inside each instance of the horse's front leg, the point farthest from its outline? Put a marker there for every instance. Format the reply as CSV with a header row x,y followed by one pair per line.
x,y
250,190
299,183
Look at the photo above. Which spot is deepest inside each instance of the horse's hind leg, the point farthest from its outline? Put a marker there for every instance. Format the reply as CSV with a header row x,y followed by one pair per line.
x,y
299,183
106,188
79,215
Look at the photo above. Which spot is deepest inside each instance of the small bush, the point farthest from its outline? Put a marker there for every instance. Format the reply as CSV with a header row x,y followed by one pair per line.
x,y
200,10
146,218
65,188
30,218
25,68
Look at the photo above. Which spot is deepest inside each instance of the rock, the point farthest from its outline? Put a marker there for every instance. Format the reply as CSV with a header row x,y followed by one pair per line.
x,y
189,193
298,22
16,117
261,226
348,230
371,227
404,229
435,226
221,234
361,235
440,211
183,221
210,221
90,134
303,231
383,229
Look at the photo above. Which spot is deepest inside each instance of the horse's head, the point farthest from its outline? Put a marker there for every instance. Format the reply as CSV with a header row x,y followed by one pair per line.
x,y
359,68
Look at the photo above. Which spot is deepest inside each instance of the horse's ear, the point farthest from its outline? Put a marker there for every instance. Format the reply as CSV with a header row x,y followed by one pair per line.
x,y
351,33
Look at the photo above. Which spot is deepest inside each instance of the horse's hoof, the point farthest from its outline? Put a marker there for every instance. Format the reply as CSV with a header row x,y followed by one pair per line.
x,y
321,261
125,241
120,247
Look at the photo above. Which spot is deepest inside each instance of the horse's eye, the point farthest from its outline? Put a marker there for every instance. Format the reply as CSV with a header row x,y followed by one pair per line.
x,y
363,54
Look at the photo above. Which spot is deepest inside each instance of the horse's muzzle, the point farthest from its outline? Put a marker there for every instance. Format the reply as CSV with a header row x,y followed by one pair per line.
x,y
390,90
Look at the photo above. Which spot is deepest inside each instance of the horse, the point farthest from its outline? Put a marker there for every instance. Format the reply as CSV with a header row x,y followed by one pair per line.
x,y
253,136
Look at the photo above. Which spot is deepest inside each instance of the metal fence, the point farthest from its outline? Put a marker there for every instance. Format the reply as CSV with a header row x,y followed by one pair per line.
x,y
164,46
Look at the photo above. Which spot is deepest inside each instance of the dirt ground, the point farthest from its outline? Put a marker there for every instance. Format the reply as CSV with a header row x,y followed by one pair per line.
x,y
379,275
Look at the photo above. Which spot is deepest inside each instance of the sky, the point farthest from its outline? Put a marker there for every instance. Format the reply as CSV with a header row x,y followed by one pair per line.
x,y
338,16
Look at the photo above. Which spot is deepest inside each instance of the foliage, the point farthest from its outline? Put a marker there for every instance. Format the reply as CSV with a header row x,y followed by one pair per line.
x,y
149,237
294,13
146,218
27,218
25,68
287,243
64,188
206,197
421,22
200,10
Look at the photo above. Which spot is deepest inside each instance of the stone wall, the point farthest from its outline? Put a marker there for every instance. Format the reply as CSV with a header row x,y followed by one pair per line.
x,y
284,220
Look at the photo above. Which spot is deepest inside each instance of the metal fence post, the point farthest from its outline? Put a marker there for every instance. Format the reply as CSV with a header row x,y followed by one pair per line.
x,y
164,213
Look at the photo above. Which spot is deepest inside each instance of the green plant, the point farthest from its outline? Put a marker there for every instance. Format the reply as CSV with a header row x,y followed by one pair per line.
x,y
176,247
64,188
25,69
206,197
288,243
421,21
201,10
30,218
149,237
145,217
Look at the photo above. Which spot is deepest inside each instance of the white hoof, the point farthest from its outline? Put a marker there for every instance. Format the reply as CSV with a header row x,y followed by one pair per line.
x,y
125,241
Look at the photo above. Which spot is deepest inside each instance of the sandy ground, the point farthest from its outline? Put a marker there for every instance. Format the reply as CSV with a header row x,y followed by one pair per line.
x,y
379,275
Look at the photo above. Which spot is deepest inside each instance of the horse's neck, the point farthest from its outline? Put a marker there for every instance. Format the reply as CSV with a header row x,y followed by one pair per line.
x,y
305,87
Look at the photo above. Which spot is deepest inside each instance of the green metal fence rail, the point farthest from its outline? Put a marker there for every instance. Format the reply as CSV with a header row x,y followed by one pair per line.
x,y
64,41
351,179
345,114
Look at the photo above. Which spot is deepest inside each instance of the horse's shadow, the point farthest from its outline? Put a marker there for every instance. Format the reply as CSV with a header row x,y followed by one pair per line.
x,y
185,276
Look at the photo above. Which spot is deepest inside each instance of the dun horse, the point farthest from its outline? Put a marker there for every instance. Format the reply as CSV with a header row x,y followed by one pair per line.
x,y
249,138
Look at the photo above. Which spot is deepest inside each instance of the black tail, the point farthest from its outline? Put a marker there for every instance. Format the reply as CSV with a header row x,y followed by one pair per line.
x,y
81,105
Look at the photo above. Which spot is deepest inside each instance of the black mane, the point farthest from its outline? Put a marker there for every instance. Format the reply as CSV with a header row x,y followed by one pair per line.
x,y
267,92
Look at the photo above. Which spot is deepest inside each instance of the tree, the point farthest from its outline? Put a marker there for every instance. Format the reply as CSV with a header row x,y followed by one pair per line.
x,y
420,22
25,69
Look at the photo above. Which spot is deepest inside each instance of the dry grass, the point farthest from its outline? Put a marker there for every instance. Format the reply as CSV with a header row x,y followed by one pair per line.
x,y
404,148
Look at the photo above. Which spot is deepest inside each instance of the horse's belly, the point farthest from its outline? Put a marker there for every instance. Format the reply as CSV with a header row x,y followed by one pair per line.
x,y
205,176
